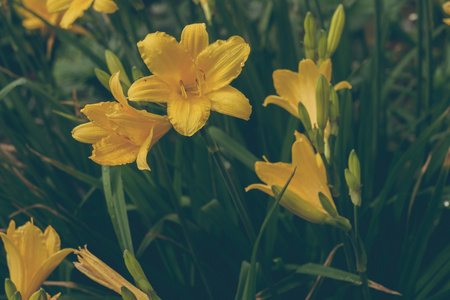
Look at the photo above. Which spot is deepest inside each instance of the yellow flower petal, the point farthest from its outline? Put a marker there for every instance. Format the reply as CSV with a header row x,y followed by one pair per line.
x,y
141,159
274,173
89,133
446,7
52,240
54,6
101,273
262,187
45,270
29,239
313,179
105,6
222,61
325,69
309,74
342,85
96,113
188,115
164,57
16,265
114,150
117,91
287,85
446,20
149,88
230,101
75,11
194,39
287,105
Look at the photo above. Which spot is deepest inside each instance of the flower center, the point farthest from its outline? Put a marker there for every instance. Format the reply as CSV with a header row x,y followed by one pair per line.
x,y
196,87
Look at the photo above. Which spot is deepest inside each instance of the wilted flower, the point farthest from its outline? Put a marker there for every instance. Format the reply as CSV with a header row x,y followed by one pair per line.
x,y
100,272
302,195
31,255
192,77
120,134
293,87
74,9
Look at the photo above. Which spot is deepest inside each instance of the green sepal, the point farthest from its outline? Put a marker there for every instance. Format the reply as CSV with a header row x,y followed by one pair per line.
x,y
10,288
16,296
304,116
127,294
327,205
39,295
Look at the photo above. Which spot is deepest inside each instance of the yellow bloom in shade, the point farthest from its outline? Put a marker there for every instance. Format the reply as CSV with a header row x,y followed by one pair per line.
x,y
293,87
120,134
74,9
192,77
302,195
446,8
30,21
31,255
101,273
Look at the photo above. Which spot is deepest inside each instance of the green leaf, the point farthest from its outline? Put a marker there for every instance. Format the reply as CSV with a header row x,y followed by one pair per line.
x,y
5,91
235,149
115,201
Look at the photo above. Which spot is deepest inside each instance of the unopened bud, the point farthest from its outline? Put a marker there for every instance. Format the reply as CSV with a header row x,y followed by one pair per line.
x,y
310,36
354,166
10,288
304,116
354,187
127,294
334,105
103,77
115,65
39,295
322,46
337,25
322,101
136,73
138,274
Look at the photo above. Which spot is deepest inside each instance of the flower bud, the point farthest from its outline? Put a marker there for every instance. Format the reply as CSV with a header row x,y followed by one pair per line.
x,y
354,166
334,105
138,274
322,46
322,101
304,116
115,65
354,187
136,73
39,295
310,36
337,25
103,77
10,288
127,294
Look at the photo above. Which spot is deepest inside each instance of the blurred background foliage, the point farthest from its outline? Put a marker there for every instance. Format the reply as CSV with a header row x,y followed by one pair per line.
x,y
396,55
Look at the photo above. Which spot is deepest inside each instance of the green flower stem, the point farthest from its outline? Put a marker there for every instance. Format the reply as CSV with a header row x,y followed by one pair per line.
x,y
214,150
360,263
184,226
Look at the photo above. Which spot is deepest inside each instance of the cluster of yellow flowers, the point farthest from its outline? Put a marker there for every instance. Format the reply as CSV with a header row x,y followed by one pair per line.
x,y
32,255
59,13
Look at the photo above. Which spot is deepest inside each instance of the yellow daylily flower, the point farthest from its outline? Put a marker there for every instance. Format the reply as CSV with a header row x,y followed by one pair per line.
x,y
302,194
97,270
120,134
30,21
192,77
74,9
293,87
446,8
31,255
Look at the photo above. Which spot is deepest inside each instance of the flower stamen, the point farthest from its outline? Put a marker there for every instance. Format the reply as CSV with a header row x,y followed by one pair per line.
x,y
183,90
